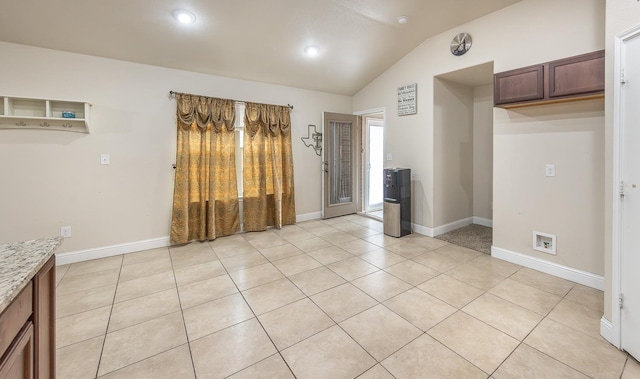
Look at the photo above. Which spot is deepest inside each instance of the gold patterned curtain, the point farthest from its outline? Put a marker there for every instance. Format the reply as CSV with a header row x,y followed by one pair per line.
x,y
268,195
205,197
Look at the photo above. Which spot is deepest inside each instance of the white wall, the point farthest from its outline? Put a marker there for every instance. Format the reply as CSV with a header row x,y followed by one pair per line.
x,y
483,152
526,33
50,179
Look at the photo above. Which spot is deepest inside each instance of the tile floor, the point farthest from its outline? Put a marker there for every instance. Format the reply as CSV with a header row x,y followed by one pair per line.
x,y
326,299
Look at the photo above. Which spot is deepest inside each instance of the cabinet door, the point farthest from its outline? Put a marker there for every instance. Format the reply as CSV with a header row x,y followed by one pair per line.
x,y
523,84
18,361
44,316
582,74
13,318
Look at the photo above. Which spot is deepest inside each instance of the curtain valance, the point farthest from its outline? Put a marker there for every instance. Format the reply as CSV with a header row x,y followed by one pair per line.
x,y
204,111
274,119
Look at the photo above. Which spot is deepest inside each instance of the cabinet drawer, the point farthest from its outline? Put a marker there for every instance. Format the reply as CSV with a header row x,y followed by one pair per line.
x,y
18,361
15,316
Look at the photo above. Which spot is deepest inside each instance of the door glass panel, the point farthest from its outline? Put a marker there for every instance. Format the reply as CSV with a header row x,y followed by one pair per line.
x,y
340,190
376,166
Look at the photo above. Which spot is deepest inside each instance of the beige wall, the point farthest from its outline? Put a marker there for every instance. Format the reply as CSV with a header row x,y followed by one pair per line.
x,y
569,205
513,37
483,152
51,179
453,152
622,15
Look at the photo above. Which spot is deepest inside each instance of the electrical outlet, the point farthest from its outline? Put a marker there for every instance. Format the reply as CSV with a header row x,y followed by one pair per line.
x,y
389,156
550,170
105,159
65,231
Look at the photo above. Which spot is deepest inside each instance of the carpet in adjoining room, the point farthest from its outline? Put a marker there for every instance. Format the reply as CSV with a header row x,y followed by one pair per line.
x,y
474,236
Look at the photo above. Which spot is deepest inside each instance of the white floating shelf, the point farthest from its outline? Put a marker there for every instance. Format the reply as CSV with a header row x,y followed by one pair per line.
x,y
46,114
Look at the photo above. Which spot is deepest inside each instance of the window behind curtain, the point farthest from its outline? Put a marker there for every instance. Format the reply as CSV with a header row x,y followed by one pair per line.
x,y
239,123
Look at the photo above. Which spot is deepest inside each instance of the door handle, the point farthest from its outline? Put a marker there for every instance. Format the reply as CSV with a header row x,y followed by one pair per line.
x,y
325,167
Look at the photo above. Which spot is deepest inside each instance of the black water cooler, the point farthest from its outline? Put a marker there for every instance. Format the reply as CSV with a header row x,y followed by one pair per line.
x,y
397,201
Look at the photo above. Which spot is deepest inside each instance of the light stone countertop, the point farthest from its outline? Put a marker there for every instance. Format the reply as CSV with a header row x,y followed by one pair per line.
x,y
19,262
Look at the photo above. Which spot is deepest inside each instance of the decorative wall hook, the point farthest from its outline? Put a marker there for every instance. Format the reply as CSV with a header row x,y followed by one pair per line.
x,y
314,136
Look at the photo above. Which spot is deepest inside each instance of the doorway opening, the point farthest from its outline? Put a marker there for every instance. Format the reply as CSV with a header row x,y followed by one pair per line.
x,y
373,164
463,157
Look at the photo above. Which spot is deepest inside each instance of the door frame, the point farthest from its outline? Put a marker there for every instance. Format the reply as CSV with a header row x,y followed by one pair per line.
x,y
366,157
611,330
357,152
363,114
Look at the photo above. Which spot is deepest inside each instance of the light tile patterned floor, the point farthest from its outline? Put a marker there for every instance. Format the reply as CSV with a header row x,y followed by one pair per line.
x,y
326,299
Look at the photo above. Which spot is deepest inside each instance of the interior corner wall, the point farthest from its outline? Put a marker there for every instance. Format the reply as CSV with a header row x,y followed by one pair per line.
x,y
52,179
483,152
621,15
453,152
570,137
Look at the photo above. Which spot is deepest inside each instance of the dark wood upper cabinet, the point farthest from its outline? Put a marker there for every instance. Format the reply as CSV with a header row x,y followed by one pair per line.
x,y
523,84
577,75
575,78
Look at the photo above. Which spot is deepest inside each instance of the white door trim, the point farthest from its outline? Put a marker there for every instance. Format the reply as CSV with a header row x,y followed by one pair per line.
x,y
614,335
366,171
365,112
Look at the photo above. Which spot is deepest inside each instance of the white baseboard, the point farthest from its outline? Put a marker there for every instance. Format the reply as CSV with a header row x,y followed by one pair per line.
x,y
606,331
452,226
483,221
109,251
585,278
424,230
309,216
132,247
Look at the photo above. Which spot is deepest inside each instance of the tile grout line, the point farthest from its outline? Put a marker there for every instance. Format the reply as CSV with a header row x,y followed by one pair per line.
x,y
184,322
521,342
255,315
106,330
311,300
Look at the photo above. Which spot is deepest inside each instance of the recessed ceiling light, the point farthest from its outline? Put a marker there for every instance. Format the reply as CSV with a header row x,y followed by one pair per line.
x,y
184,16
403,20
311,50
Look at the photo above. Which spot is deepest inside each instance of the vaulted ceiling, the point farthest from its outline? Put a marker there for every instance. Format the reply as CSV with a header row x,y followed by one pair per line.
x,y
261,40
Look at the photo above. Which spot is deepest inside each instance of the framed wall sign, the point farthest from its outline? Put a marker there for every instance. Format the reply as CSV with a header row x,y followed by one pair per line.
x,y
407,96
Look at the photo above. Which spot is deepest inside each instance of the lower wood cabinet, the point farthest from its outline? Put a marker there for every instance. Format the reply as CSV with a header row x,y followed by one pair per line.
x,y
18,360
44,315
27,329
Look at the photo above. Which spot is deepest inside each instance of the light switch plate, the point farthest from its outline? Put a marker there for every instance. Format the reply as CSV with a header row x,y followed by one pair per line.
x,y
389,156
105,159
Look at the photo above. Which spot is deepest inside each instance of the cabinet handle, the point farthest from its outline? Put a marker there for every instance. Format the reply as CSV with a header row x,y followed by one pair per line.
x,y
45,124
67,125
21,123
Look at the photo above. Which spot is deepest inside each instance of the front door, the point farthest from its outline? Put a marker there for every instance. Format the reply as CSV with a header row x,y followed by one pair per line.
x,y
341,151
630,202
